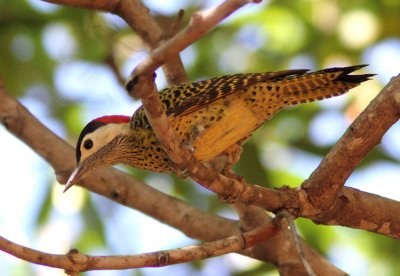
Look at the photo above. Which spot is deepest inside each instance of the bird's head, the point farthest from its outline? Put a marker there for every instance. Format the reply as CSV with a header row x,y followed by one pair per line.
x,y
97,143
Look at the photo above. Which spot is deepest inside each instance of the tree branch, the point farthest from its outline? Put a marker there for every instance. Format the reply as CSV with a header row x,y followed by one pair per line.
x,y
325,183
138,18
361,210
75,262
200,23
297,242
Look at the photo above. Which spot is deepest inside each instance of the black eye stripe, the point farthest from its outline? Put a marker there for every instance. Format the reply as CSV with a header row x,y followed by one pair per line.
x,y
88,144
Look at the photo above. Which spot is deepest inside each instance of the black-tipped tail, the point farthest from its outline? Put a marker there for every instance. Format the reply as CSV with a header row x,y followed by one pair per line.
x,y
345,74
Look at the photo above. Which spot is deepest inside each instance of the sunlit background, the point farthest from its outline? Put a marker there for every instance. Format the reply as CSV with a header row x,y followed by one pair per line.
x,y
54,60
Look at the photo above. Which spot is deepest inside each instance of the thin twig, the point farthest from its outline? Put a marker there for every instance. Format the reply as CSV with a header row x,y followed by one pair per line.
x,y
176,24
296,240
75,261
110,61
139,19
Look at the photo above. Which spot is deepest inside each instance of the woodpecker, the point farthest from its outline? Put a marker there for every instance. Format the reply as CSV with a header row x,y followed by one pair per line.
x,y
209,117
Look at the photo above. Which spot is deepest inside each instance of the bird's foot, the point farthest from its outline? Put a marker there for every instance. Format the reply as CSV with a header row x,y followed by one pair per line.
x,y
235,192
181,172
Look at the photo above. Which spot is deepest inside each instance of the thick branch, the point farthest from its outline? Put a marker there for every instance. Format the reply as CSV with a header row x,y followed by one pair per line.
x,y
361,210
325,183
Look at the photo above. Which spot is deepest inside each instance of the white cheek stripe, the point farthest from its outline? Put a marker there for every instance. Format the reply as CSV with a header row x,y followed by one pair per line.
x,y
101,137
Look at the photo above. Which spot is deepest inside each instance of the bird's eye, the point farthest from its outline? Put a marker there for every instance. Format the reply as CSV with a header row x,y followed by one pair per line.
x,y
88,144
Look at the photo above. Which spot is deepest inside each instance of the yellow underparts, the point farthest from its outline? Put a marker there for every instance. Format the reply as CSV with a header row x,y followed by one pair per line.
x,y
210,138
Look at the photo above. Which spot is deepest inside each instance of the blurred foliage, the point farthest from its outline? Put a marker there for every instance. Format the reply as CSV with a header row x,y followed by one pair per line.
x,y
275,35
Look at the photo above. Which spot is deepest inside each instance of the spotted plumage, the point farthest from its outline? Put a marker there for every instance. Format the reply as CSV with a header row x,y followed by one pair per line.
x,y
209,117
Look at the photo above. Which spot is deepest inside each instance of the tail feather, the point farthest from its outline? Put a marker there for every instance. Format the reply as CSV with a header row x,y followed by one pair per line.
x,y
346,70
355,78
322,84
327,91
345,76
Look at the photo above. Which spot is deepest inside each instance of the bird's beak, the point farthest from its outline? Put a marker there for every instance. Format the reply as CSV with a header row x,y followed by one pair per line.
x,y
75,176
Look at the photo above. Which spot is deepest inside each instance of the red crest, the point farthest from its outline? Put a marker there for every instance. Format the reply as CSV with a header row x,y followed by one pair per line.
x,y
113,119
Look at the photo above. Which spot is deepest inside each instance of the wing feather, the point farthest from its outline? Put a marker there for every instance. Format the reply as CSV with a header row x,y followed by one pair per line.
x,y
189,97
